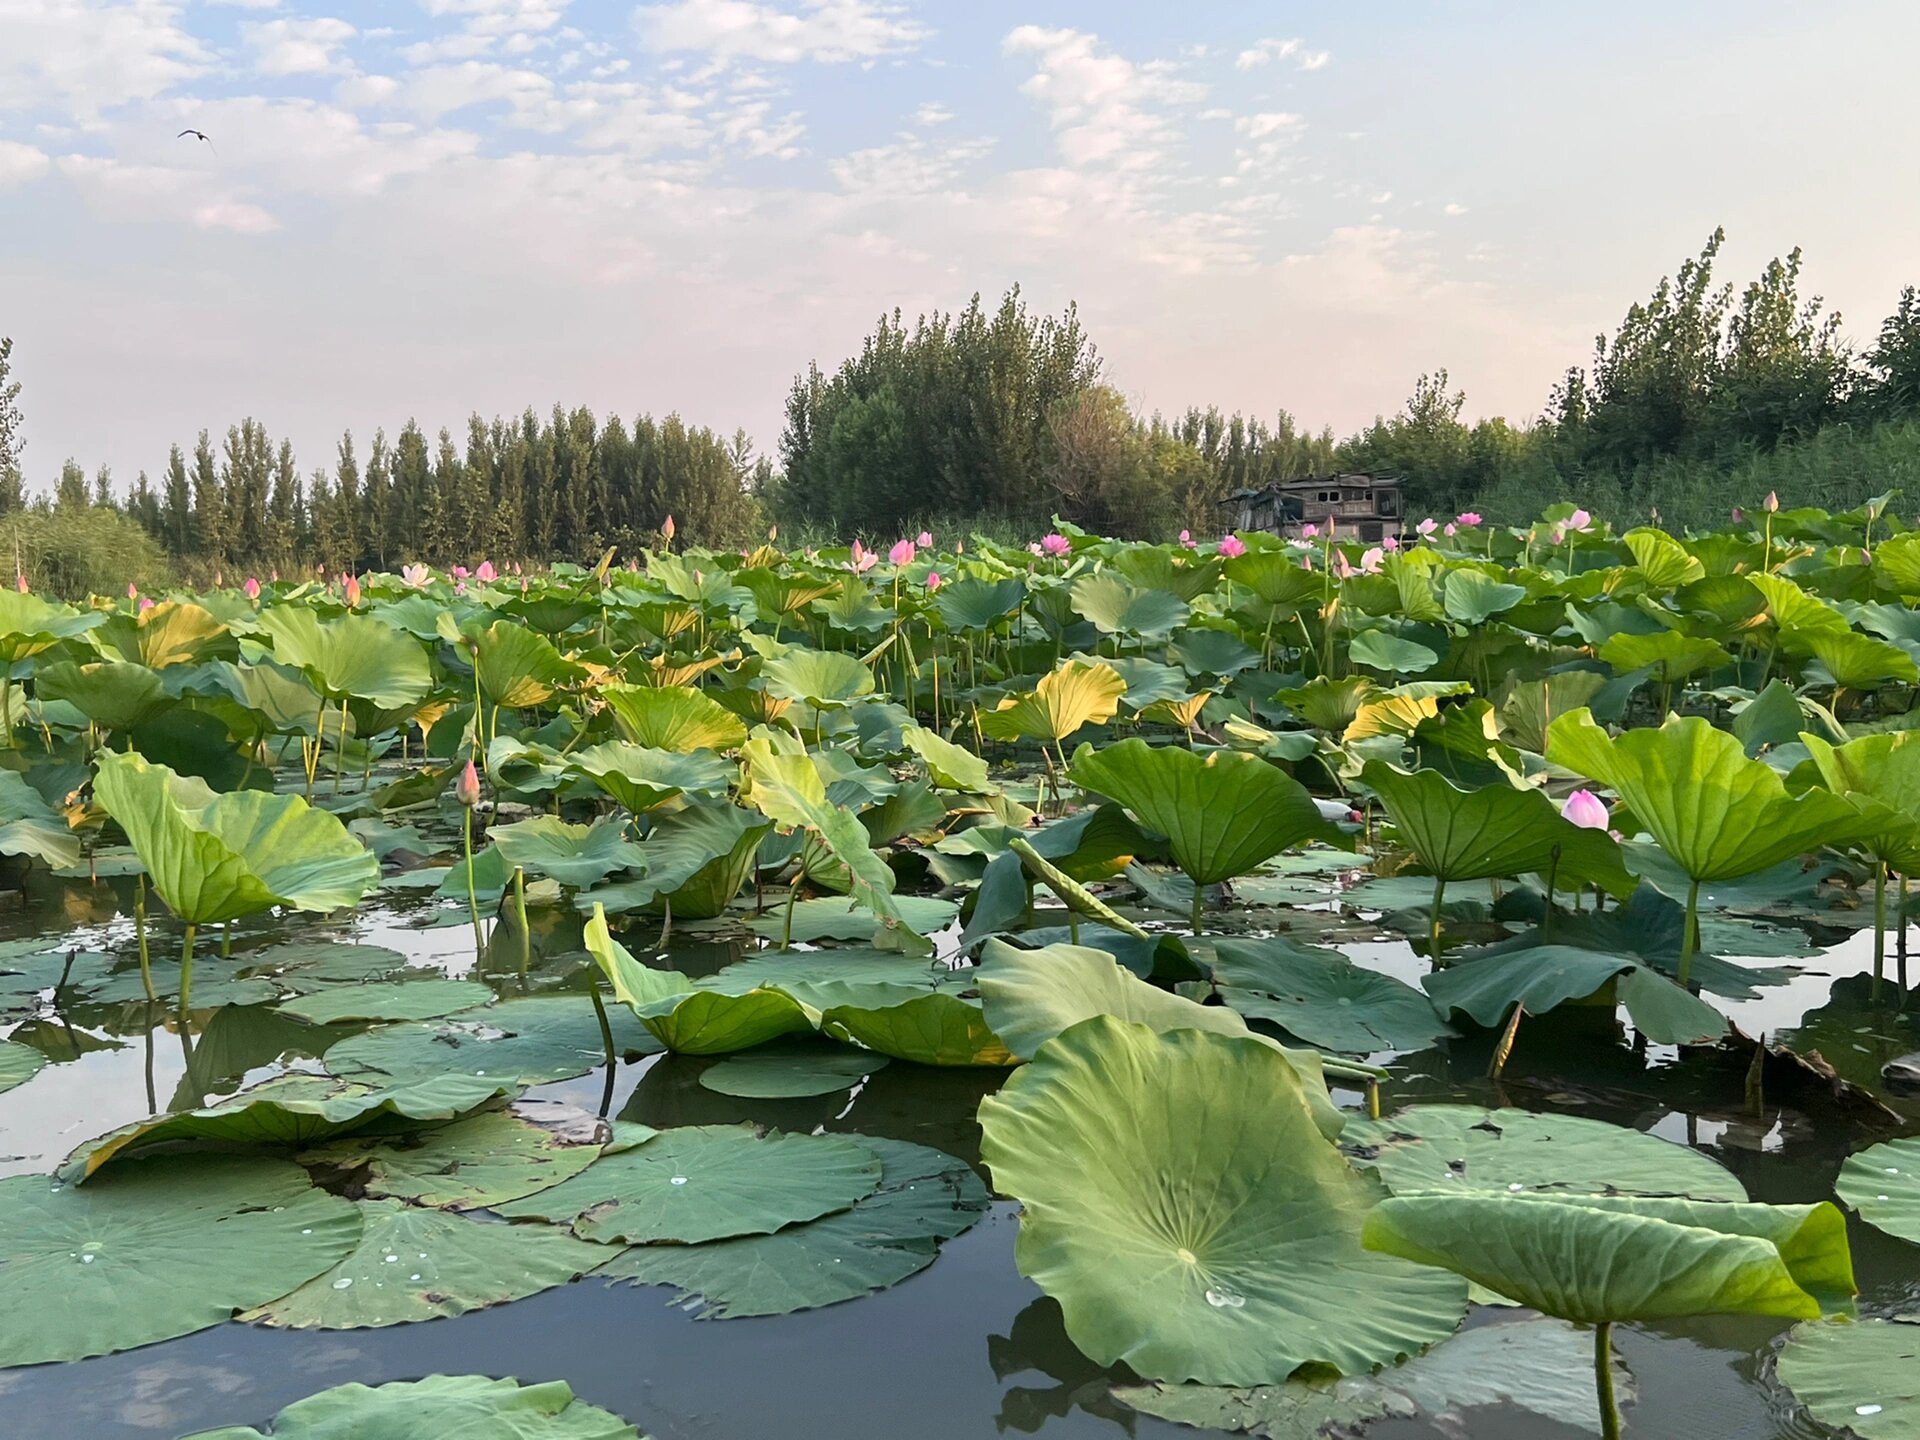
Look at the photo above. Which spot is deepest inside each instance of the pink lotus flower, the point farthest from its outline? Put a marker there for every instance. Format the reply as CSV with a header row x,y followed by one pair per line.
x,y
1468,518
486,574
253,589
1771,503
146,603
1306,561
1055,544
460,572
1427,526
1340,565
667,528
523,584
133,591
1186,540
1033,548
933,581
1580,520
901,553
1232,545
1371,559
863,559
924,540
416,576
1585,809
1559,534
1449,529
1739,516
351,585
1309,532
467,788
1391,543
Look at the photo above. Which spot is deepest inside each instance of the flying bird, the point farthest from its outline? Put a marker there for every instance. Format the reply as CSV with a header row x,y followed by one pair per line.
x,y
197,134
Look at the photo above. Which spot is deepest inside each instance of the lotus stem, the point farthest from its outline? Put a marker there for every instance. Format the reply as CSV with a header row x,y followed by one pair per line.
x,y
1879,929
340,746
1373,1098
1433,921
786,922
473,898
140,935
1690,935
1603,1380
1504,1049
520,917
153,1098
1075,896
1553,875
186,973
666,924
1757,1079
1199,897
226,941
1900,943
606,1043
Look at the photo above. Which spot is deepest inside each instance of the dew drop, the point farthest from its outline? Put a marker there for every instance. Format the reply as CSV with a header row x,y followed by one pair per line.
x,y
1222,1299
343,1283
413,1277
390,1259
1879,1197
1516,1188
1868,1409
86,1259
306,1232
1187,1255
678,1180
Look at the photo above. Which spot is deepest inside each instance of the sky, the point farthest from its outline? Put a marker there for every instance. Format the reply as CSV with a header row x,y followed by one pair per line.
x,y
426,208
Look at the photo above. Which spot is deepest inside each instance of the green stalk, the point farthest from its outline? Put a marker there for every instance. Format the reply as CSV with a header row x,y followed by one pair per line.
x,y
1553,872
1691,936
606,1042
140,931
520,915
1879,929
1433,920
786,922
1603,1380
1199,892
186,973
473,898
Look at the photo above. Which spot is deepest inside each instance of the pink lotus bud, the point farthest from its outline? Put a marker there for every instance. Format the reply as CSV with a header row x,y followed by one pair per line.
x,y
1585,809
133,591
523,584
1559,534
901,553
1739,516
1579,520
1033,548
253,589
1309,532
933,581
486,574
1340,565
1449,529
773,533
351,585
1392,543
1771,503
1370,560
1427,526
20,581
863,559
467,788
1055,544
1468,518
1232,545
667,528
146,603
924,540
1186,540
274,574
460,572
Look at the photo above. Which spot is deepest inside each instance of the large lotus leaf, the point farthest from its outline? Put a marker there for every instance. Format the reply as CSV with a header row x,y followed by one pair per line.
x,y
1322,998
673,717
949,766
428,999
641,778
972,604
1862,1378
113,694
1882,772
29,625
928,1028
1662,559
517,666
707,1182
1395,654
1030,996
1542,977
478,1161
1797,615
1530,707
1538,1368
18,1064
1223,814
305,966
795,970
1882,1182
473,1407
1473,597
150,1251
696,860
924,1197
838,917
1593,1259
1179,1204
532,1041
413,1264
1465,1148
1494,831
782,1072
784,596
356,655
822,678
1718,814
1670,655
172,632
1117,607
1062,701
575,855
295,1110
1214,652
29,826
219,857
1860,662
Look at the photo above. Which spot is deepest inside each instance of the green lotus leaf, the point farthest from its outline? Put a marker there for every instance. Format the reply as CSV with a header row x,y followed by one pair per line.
x,y
1223,814
1075,695
1671,656
517,666
1718,814
1473,597
1662,559
575,855
673,717
1797,616
1882,1182
824,679
114,694
307,966
163,1248
641,778
413,1264
1494,831
475,1162
707,1182
171,632
924,1197
1180,1205
1598,1259
1860,662
31,827
292,1111
440,1405
1542,977
1117,607
950,766
775,1072
1538,1368
1030,996
1214,652
783,596
219,857
535,1040
1883,770
1322,998
355,656
1862,1377
427,999
29,625
18,1064
839,917
1395,654
973,605
696,860
927,1028
1465,1148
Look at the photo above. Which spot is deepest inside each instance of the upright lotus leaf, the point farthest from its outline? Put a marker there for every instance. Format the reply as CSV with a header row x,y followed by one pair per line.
x,y
824,679
1796,616
1223,813
1662,559
973,604
163,1248
30,826
1596,1259
783,598
1380,649
1180,1205
1531,706
696,860
440,1405
1717,814
1860,662
642,778
1030,996
1474,597
1860,1378
673,717
1075,695
697,1183
1880,775
575,855
114,694
950,766
219,857
29,625
355,657
517,666
172,632
1322,998
1668,654
1539,978
1117,607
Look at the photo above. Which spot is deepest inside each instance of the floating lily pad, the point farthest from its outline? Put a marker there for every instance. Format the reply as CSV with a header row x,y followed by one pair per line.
x,y
1861,1377
1322,998
159,1249
535,1040
215,983
708,1182
1883,1184
838,917
794,970
440,1405
778,1073
18,1064
1462,1147
481,1161
924,1197
308,966
414,1264
401,1000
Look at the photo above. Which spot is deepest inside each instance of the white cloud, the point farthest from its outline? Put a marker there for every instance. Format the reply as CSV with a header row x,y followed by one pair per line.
x,y
132,193
1268,52
910,167
86,56
1106,110
826,31
1258,127
21,164
1454,208
932,113
297,47
235,215
440,90
501,17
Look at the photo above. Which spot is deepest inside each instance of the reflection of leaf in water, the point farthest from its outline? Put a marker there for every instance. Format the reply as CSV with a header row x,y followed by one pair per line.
x,y
1855,1036
1037,1341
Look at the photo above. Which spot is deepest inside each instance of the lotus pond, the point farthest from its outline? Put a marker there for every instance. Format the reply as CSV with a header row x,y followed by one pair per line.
x,y
1284,988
